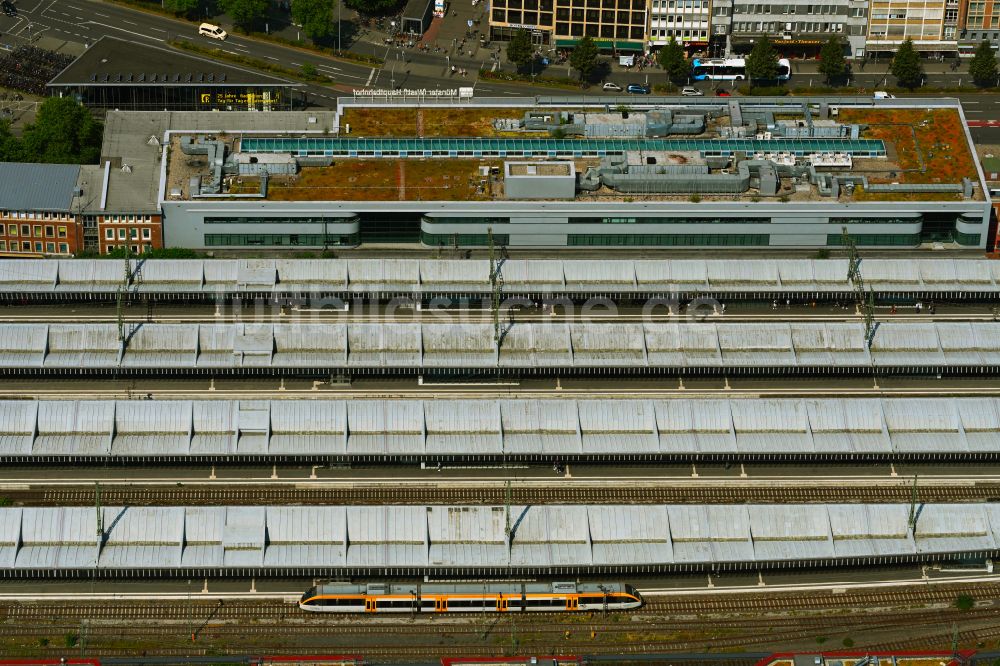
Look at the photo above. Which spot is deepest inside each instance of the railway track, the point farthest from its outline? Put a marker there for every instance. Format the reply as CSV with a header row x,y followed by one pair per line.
x,y
183,494
644,632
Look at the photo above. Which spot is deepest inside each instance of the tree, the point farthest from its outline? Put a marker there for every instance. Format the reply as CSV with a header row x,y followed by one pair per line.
x,y
315,17
179,7
64,132
965,602
906,66
374,6
673,60
983,67
831,61
584,57
519,50
245,12
10,147
762,63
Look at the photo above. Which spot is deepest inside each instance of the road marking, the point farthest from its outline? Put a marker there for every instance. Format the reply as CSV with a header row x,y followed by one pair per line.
x,y
332,69
101,15
129,22
271,58
368,83
136,34
297,64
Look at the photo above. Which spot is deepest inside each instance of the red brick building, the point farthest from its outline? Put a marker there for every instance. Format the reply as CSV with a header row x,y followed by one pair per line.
x,y
37,214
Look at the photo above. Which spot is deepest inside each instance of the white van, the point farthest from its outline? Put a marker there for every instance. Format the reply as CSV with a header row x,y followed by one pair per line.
x,y
213,31
881,94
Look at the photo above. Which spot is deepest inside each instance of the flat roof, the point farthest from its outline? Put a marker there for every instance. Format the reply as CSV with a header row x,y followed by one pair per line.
x,y
40,187
115,62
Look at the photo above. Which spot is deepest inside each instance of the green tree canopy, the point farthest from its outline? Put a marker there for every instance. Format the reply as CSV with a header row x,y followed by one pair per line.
x,y
983,67
315,17
64,132
245,13
584,57
374,6
519,50
10,147
674,61
179,7
832,64
906,66
762,63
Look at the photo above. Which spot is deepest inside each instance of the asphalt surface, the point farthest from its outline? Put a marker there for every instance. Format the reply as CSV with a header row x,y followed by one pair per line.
x,y
85,21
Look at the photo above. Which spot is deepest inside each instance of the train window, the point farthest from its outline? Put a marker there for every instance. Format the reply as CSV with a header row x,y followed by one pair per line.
x,y
594,600
428,603
513,603
396,603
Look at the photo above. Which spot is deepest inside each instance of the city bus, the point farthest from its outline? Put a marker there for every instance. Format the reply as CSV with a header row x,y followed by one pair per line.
x,y
731,69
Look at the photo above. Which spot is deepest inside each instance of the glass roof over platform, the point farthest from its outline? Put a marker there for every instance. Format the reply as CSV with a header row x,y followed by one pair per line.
x,y
497,147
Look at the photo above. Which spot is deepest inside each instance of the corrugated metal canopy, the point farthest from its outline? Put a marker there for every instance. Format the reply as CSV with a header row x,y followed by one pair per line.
x,y
37,187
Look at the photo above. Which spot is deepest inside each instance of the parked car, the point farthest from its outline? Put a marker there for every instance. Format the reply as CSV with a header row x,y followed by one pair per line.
x,y
638,89
611,87
8,8
881,94
212,31
689,91
722,92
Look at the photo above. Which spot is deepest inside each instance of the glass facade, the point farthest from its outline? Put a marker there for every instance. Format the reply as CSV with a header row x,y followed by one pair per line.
x,y
670,220
280,240
379,227
462,240
898,240
967,239
875,220
466,220
731,240
279,220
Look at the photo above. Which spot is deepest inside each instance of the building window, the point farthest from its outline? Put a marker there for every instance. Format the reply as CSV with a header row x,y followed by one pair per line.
x,y
62,232
50,231
50,248
109,234
3,232
147,234
133,233
38,246
38,231
63,248
134,249
3,246
121,234
26,246
25,230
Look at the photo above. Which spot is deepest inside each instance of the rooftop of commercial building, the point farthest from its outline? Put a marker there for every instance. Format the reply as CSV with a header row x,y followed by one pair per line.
x,y
687,151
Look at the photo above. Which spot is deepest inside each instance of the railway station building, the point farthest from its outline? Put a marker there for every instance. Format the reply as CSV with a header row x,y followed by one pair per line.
x,y
551,173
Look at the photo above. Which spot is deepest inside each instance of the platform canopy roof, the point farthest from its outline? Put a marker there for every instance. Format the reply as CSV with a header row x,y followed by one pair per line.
x,y
606,429
416,276
470,538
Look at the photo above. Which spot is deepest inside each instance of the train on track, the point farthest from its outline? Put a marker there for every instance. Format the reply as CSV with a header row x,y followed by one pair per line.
x,y
469,598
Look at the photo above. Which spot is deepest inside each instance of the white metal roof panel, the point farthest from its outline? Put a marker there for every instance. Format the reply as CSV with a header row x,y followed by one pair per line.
x,y
373,272
328,273
629,534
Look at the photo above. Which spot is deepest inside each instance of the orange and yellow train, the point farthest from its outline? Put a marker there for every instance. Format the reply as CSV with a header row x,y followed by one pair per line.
x,y
469,598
